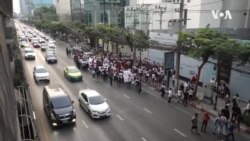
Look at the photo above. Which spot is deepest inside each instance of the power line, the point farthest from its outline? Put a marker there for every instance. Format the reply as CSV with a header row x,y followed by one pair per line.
x,y
204,3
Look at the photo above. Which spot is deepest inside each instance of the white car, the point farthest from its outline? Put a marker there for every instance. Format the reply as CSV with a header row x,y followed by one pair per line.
x,y
29,54
44,46
41,40
40,73
24,44
51,45
93,103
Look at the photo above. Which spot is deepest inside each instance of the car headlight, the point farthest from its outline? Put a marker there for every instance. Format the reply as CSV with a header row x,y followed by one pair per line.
x,y
74,112
52,116
108,110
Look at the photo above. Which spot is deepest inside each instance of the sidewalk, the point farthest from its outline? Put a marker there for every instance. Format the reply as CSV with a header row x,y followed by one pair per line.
x,y
203,106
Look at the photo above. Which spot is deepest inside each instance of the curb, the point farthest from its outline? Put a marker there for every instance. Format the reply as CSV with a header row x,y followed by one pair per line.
x,y
243,129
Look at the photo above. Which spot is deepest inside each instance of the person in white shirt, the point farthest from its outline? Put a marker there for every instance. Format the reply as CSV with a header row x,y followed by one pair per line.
x,y
170,95
247,110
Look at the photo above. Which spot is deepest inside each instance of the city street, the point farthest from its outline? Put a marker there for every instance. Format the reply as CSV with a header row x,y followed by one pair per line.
x,y
134,117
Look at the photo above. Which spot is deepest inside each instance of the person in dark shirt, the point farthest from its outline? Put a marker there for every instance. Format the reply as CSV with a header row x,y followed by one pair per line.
x,y
225,112
185,99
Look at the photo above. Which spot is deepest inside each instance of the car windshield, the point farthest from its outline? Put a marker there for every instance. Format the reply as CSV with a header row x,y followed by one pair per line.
x,y
96,100
50,55
29,51
61,102
73,70
41,70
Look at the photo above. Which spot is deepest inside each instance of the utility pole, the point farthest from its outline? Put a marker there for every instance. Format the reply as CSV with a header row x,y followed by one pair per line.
x,y
161,12
178,54
94,12
111,11
104,11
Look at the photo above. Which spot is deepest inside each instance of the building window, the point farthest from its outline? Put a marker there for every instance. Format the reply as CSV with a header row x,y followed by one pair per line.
x,y
104,19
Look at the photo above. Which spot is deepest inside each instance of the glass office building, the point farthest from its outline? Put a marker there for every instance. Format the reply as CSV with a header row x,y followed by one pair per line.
x,y
40,3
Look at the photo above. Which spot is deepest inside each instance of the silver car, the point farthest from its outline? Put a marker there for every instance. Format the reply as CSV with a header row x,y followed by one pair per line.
x,y
40,73
93,103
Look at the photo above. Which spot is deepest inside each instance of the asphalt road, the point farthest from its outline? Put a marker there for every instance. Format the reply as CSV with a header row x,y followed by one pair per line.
x,y
133,117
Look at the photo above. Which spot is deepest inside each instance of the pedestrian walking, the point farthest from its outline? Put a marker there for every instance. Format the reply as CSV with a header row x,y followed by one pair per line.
x,y
67,51
247,109
238,118
231,128
226,112
216,124
179,95
170,95
139,87
194,123
93,73
173,79
205,120
163,90
185,98
110,77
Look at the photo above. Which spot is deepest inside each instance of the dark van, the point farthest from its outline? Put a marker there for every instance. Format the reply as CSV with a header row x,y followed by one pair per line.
x,y
58,106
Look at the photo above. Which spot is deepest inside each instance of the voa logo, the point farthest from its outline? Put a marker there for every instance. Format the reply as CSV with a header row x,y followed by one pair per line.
x,y
225,14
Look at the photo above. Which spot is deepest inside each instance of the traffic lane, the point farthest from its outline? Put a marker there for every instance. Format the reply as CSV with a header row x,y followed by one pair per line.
x,y
36,93
178,115
57,135
70,88
113,129
36,100
157,121
154,125
61,50
89,82
118,99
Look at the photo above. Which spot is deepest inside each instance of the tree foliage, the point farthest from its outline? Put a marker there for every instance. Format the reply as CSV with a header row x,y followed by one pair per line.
x,y
205,43
45,13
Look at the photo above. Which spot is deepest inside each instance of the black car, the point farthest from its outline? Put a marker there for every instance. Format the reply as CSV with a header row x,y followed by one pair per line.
x,y
58,107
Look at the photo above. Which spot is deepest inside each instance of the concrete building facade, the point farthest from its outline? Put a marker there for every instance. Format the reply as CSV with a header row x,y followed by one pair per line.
x,y
40,3
114,12
8,113
63,10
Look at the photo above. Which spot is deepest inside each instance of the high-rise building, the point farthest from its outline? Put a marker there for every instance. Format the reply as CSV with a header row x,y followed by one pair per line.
x,y
22,4
70,10
40,3
104,12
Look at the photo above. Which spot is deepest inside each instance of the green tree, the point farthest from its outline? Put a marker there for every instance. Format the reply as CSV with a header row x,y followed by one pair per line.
x,y
243,53
205,43
138,40
45,14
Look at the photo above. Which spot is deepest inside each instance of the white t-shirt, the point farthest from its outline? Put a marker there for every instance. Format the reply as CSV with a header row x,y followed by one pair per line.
x,y
170,93
248,106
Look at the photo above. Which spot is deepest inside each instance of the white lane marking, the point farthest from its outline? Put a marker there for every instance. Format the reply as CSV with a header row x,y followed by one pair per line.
x,y
119,117
34,115
183,110
143,139
179,132
126,96
85,124
145,109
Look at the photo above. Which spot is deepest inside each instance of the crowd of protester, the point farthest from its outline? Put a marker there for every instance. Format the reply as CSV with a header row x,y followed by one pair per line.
x,y
122,70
